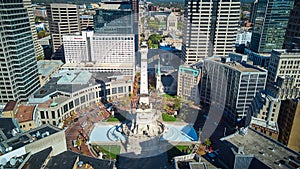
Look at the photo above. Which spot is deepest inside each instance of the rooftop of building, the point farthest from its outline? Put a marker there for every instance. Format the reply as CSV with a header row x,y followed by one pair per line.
x,y
96,34
242,67
287,51
8,128
197,65
71,81
38,159
10,106
66,82
21,139
47,67
266,124
265,95
100,65
86,17
248,51
193,161
193,69
115,5
63,5
69,159
25,113
268,151
15,162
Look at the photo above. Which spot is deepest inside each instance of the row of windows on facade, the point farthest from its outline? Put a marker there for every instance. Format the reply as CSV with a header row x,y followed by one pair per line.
x,y
84,99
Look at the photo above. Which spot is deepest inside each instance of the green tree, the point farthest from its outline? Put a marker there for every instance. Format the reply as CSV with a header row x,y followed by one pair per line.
x,y
36,19
79,142
177,103
155,38
179,25
207,142
42,34
152,88
39,58
149,43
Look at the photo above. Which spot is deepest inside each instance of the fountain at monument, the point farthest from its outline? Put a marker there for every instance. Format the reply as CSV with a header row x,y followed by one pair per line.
x,y
143,134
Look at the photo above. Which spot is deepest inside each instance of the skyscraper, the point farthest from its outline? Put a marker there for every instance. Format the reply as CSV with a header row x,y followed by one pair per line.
x,y
63,19
114,17
293,25
18,70
37,47
135,8
270,18
288,122
210,28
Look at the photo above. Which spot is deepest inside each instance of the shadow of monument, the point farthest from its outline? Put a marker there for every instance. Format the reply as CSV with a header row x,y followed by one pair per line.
x,y
153,155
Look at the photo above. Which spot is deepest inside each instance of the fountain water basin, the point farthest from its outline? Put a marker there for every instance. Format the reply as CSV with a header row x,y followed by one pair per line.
x,y
174,133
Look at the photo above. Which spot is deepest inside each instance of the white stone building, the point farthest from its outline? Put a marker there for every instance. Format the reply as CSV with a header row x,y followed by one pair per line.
x,y
100,51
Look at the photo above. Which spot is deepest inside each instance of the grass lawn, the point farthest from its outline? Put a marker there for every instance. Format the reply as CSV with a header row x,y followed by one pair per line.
x,y
167,117
111,151
112,119
177,151
117,118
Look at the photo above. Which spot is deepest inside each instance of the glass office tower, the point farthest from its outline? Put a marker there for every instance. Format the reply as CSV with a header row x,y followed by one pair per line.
x,y
116,17
270,18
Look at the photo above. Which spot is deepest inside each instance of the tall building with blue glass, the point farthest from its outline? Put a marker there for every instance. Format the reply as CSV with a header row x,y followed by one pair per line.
x,y
270,18
18,66
115,17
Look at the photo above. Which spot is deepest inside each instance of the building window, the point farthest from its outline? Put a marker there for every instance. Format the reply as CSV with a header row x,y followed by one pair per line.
x,y
114,90
77,102
71,104
65,108
107,92
82,99
53,114
42,115
120,90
